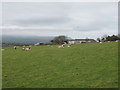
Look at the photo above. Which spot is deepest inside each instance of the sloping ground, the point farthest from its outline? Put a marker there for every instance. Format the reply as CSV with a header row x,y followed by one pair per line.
x,y
90,65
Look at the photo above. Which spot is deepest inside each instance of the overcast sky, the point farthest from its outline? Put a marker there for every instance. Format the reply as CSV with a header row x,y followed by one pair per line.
x,y
73,19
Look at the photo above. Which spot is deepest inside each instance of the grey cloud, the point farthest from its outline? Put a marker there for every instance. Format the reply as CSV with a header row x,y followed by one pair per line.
x,y
79,17
42,21
98,24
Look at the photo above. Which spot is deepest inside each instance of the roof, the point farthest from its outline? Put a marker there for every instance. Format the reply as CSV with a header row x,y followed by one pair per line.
x,y
81,40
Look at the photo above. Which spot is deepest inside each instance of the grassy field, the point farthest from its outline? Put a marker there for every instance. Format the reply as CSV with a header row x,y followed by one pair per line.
x,y
90,65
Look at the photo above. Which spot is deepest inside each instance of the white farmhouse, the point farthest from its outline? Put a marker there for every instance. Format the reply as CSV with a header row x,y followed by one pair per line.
x,y
78,41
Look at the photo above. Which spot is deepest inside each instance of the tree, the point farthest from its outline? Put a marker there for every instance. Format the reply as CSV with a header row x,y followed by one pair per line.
x,y
103,38
112,38
98,39
87,39
108,38
59,40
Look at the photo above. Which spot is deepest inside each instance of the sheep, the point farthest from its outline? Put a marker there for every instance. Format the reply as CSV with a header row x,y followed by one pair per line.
x,y
29,48
15,47
26,49
100,42
61,46
23,49
68,45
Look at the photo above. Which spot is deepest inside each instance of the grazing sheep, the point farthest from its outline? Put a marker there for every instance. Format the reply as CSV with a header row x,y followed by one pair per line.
x,y
29,48
15,47
23,49
26,49
61,46
100,42
68,45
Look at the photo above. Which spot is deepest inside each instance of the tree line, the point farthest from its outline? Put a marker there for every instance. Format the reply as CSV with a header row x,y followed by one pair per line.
x,y
63,39
60,40
109,38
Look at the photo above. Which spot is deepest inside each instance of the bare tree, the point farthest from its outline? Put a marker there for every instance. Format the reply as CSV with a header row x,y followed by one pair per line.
x,y
59,40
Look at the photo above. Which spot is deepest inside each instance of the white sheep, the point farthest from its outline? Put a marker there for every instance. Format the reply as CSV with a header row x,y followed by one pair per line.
x,y
61,46
68,45
26,49
23,49
15,47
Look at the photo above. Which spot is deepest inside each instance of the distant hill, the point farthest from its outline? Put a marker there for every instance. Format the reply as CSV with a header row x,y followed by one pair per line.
x,y
26,39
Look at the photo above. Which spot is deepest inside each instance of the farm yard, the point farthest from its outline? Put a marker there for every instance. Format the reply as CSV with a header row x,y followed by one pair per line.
x,y
91,65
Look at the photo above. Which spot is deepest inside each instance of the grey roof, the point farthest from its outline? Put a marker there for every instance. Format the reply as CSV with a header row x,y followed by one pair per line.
x,y
81,40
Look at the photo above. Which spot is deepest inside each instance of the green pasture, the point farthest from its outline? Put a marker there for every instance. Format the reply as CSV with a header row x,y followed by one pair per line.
x,y
87,65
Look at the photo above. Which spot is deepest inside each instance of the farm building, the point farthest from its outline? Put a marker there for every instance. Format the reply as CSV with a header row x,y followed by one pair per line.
x,y
36,44
76,41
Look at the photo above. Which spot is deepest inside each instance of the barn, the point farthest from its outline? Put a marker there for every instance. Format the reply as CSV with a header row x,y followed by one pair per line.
x,y
77,41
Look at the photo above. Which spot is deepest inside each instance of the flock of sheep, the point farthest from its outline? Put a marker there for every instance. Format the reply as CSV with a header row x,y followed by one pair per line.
x,y
29,48
60,46
24,49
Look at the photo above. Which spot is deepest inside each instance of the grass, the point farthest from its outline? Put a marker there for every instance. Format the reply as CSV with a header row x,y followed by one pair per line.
x,y
90,65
